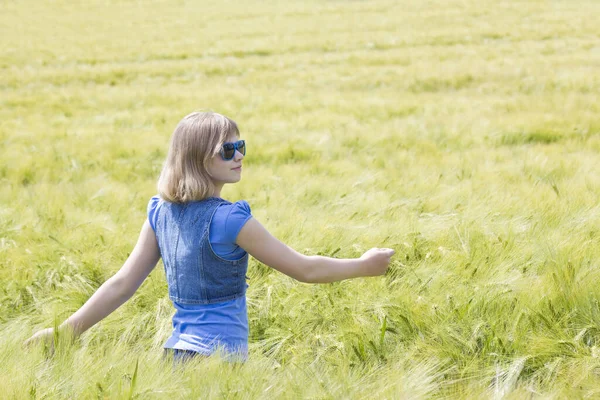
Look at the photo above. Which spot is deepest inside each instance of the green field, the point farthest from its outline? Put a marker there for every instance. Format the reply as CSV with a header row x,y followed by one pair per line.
x,y
463,134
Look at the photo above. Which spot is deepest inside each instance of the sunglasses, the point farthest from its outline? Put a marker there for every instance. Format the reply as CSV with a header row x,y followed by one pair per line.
x,y
228,149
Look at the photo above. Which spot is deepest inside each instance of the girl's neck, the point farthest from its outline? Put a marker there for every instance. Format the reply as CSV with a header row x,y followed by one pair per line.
x,y
217,191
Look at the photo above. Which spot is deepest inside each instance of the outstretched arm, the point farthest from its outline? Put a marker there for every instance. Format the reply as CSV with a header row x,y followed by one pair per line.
x,y
257,241
116,290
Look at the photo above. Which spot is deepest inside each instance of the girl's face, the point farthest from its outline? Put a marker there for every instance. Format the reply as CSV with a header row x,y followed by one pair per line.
x,y
226,171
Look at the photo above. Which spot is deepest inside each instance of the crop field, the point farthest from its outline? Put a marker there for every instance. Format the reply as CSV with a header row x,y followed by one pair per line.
x,y
464,134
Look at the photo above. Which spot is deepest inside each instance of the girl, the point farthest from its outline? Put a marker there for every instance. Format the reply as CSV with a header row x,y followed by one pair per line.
x,y
204,242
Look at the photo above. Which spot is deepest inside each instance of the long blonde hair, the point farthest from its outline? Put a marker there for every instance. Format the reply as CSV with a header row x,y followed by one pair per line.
x,y
196,139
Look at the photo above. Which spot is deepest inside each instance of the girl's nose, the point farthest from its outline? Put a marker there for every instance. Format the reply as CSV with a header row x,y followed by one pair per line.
x,y
238,156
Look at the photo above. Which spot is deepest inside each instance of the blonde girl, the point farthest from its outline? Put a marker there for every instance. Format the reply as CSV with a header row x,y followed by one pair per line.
x,y
204,242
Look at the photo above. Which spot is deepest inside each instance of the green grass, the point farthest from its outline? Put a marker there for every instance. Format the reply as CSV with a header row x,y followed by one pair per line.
x,y
463,134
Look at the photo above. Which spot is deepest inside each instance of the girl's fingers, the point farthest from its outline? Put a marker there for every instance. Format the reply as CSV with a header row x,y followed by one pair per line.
x,y
27,343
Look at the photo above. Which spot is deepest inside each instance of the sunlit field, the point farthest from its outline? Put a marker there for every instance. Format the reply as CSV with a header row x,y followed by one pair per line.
x,y
463,134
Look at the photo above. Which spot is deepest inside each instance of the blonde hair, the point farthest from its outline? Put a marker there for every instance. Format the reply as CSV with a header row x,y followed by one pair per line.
x,y
196,139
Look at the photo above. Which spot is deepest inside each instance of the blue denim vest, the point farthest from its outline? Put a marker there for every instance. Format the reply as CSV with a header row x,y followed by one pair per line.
x,y
195,274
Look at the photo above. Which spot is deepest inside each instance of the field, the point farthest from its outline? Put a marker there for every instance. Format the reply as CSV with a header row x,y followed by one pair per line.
x,y
464,134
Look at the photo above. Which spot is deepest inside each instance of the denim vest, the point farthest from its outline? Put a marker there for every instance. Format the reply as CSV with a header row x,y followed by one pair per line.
x,y
195,274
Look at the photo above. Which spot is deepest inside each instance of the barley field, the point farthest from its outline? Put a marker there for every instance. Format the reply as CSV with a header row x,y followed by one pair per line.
x,y
464,134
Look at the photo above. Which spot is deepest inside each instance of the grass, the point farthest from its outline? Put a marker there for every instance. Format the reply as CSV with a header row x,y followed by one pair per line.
x,y
463,134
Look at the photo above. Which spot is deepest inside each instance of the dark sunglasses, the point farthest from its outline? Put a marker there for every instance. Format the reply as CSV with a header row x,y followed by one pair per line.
x,y
228,149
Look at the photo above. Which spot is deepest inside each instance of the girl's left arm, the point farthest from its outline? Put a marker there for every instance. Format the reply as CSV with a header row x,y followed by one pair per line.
x,y
116,290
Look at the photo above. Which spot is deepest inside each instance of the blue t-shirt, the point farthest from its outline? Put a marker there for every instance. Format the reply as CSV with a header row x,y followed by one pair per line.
x,y
202,327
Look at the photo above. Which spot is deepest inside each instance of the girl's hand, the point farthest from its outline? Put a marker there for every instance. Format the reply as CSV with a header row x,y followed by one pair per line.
x,y
45,335
376,261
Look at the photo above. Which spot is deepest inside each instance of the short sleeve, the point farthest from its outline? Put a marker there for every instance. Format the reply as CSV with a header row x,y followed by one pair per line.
x,y
153,206
226,223
239,214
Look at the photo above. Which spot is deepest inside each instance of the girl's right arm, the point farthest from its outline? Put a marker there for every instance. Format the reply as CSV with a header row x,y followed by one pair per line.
x,y
257,241
115,291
